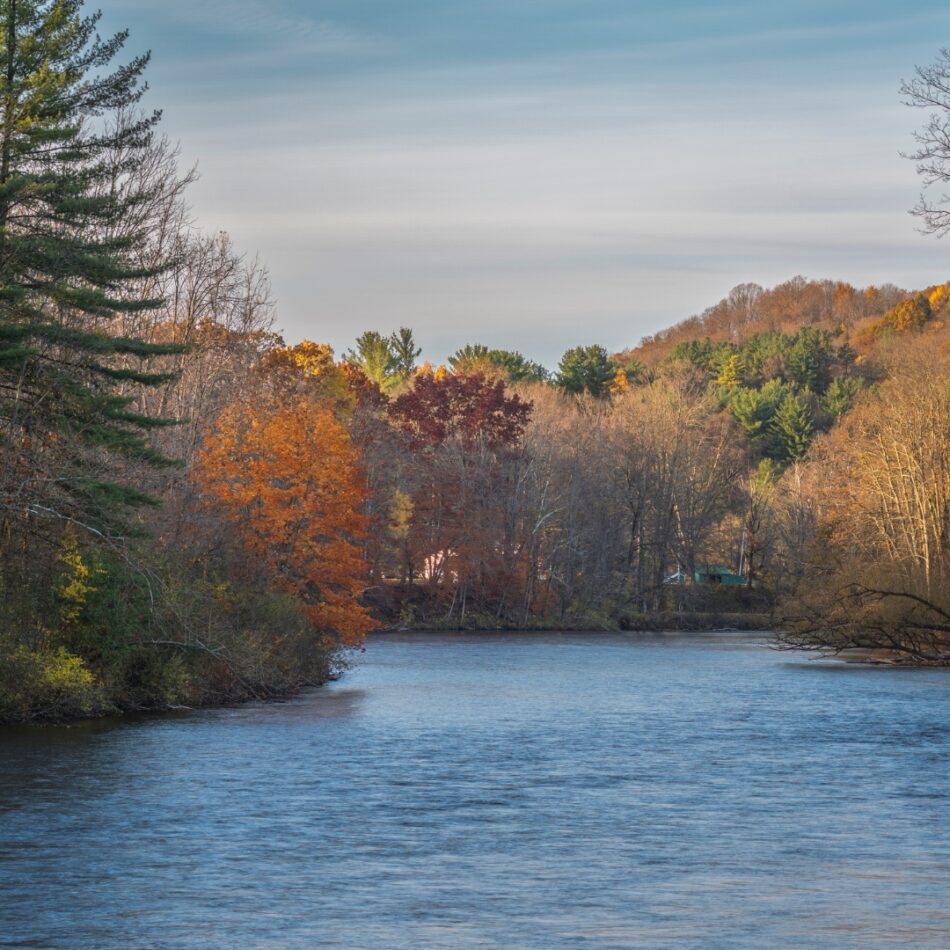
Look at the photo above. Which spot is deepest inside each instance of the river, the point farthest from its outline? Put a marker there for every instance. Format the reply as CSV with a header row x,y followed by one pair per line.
x,y
529,790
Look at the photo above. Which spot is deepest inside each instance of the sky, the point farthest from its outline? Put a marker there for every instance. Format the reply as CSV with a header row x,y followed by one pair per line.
x,y
541,174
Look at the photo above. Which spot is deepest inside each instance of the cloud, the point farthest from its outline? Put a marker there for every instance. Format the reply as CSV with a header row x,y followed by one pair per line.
x,y
212,33
545,172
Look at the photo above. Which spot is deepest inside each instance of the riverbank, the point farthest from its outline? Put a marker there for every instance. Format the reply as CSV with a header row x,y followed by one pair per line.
x,y
36,691
666,621
194,691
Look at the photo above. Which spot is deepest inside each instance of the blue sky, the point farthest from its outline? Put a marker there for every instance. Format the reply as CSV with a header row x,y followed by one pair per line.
x,y
538,174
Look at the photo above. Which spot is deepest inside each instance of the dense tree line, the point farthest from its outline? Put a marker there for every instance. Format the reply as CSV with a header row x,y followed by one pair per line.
x,y
611,490
549,503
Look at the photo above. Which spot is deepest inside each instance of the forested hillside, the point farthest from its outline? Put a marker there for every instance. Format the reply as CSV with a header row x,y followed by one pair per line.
x,y
749,309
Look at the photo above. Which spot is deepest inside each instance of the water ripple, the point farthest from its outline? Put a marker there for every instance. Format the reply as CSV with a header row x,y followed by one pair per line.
x,y
499,791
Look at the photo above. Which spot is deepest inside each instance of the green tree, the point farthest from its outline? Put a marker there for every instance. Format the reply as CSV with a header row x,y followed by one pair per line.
x,y
374,355
810,353
839,396
402,345
69,266
636,372
517,368
751,410
587,369
764,355
792,428
472,357
697,352
512,365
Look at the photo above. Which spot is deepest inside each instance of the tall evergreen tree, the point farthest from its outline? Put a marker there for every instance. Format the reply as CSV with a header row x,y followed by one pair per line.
x,y
750,410
754,409
840,396
792,428
68,268
810,354
402,344
509,365
587,369
471,358
374,356
518,368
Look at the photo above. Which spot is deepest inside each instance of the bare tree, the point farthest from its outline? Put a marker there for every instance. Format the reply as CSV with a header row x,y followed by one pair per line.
x,y
930,90
877,573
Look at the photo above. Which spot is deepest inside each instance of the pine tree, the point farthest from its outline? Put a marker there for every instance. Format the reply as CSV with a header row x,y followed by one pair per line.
x,y
509,365
69,266
405,352
471,358
840,396
374,356
754,409
750,410
792,428
518,368
587,369
809,354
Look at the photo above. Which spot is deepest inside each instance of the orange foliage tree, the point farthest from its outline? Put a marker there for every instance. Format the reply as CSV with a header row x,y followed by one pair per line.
x,y
288,477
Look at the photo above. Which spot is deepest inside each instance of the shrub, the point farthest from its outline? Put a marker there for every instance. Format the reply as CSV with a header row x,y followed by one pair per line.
x,y
46,684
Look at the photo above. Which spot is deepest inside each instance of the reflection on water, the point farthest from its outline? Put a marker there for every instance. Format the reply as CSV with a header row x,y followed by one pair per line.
x,y
499,791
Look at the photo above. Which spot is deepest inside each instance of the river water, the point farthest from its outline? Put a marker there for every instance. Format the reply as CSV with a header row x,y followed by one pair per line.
x,y
539,791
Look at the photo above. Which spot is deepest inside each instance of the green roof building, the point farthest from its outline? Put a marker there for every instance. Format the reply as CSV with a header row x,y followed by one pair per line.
x,y
719,575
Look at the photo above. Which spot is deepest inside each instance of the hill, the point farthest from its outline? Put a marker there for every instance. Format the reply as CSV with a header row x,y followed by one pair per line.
x,y
749,309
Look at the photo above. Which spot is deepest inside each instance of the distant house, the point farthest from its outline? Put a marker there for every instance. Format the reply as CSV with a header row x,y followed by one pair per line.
x,y
719,575
678,578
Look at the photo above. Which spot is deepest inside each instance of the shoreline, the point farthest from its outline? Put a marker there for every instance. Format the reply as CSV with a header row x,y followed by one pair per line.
x,y
664,622
863,658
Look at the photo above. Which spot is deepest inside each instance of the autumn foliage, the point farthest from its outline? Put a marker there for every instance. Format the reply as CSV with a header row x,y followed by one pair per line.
x,y
440,406
288,477
449,517
310,369
878,574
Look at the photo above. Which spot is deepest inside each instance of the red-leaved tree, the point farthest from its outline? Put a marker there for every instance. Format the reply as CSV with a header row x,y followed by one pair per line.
x,y
464,434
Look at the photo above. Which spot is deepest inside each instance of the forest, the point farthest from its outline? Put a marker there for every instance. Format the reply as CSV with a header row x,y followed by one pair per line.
x,y
195,511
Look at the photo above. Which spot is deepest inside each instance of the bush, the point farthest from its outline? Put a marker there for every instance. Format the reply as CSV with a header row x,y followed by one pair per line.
x,y
156,679
47,684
